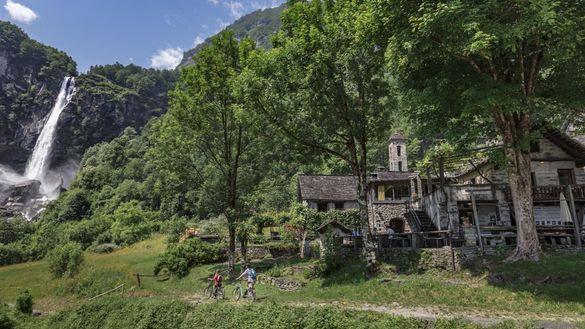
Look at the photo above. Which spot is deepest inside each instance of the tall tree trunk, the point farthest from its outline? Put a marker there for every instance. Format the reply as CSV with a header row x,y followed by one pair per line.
x,y
231,249
516,135
369,248
244,252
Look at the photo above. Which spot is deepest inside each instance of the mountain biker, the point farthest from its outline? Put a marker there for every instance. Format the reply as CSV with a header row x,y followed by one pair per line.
x,y
251,273
216,281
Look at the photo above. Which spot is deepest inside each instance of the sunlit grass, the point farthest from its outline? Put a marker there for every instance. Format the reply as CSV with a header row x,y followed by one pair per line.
x,y
562,296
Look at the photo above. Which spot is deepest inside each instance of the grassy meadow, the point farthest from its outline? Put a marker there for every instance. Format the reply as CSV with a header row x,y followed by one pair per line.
x,y
551,289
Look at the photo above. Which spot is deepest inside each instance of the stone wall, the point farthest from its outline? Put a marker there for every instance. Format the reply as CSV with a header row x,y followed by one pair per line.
x,y
380,215
281,283
261,252
408,260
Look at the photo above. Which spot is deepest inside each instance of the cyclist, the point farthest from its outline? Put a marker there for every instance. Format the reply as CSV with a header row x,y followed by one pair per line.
x,y
251,273
216,282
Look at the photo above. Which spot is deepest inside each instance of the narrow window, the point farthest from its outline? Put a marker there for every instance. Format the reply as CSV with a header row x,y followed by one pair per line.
x,y
399,165
338,205
533,179
381,193
566,177
398,150
322,207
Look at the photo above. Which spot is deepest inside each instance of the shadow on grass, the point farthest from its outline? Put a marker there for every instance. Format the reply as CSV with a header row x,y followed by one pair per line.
x,y
557,277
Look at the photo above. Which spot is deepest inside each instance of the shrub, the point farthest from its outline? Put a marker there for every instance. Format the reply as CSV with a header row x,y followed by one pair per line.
x,y
282,249
14,229
94,283
330,260
174,228
104,248
85,232
276,271
131,223
10,254
24,303
66,260
180,257
5,321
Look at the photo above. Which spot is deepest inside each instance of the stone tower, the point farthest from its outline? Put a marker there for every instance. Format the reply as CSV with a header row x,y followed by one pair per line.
x,y
397,153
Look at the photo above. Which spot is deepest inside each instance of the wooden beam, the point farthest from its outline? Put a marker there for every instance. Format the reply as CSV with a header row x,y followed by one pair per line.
x,y
429,181
476,220
574,215
442,172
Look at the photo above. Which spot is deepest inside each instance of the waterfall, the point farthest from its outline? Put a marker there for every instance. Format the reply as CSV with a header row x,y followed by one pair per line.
x,y
37,165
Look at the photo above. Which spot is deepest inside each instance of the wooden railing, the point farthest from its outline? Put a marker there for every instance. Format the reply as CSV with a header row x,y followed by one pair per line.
x,y
552,192
579,191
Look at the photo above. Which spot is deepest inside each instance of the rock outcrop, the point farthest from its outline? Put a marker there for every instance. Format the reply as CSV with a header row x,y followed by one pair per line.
x,y
30,78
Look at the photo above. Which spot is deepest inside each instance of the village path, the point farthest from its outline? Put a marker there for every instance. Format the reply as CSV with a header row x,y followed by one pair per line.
x,y
429,314
432,314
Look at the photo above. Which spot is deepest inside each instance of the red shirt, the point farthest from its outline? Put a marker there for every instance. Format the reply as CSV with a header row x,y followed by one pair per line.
x,y
216,279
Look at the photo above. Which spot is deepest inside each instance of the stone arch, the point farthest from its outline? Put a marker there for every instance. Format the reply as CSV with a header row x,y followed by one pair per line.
x,y
397,224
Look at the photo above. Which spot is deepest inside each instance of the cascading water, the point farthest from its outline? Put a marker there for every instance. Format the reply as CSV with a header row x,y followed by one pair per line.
x,y
39,184
37,165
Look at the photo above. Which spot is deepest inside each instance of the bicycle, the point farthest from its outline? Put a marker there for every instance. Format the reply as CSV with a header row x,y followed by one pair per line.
x,y
212,291
249,293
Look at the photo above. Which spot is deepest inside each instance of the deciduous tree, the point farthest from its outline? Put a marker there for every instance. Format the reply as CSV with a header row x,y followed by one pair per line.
x,y
483,64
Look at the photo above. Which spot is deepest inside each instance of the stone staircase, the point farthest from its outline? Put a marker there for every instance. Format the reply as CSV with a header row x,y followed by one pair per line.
x,y
426,224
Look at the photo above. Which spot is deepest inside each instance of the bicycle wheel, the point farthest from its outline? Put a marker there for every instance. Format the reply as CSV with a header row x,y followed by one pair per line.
x,y
237,293
208,292
220,293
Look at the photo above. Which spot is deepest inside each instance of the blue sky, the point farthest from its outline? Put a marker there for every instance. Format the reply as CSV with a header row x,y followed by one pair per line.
x,y
149,33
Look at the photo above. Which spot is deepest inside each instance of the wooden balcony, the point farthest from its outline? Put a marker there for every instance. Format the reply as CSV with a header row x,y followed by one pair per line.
x,y
552,193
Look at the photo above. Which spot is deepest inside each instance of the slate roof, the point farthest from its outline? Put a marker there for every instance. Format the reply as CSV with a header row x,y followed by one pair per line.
x,y
573,146
333,223
570,145
390,176
396,136
327,188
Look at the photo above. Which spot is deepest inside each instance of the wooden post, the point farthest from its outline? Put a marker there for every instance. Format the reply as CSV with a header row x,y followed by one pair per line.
x,y
442,172
429,181
138,279
476,220
574,215
452,252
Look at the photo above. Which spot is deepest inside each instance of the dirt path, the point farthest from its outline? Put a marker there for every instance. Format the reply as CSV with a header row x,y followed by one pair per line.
x,y
432,314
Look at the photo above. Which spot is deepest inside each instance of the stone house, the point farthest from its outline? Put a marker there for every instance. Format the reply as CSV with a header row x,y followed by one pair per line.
x,y
389,191
410,202
327,192
481,190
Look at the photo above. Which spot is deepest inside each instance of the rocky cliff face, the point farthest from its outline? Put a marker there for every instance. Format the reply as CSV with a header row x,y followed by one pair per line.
x,y
30,77
99,111
107,100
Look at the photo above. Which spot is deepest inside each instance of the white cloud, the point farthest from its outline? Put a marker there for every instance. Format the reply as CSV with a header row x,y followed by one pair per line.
x,y
198,40
236,8
264,4
167,58
20,12
169,22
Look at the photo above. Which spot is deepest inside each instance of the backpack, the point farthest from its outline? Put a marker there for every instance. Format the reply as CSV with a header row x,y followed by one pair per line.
x,y
252,274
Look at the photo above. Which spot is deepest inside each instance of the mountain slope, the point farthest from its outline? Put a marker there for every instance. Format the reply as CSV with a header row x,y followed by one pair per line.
x,y
30,77
108,99
258,26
